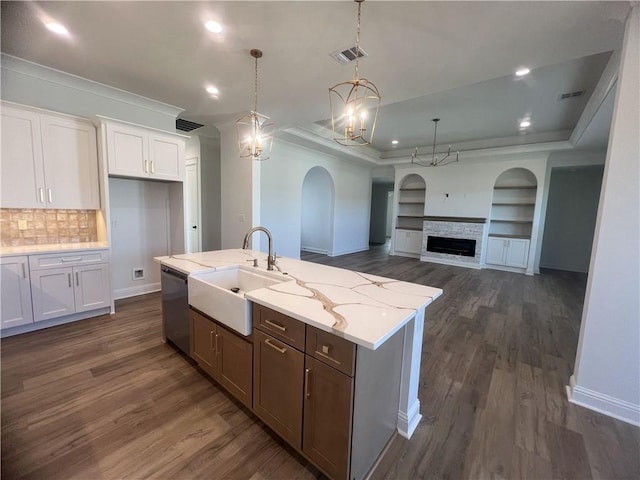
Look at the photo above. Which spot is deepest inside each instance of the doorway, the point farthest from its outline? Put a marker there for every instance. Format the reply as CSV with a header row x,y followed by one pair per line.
x,y
318,194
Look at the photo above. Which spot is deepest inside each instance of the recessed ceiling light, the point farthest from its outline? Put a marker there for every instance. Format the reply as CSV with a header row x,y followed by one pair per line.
x,y
522,72
212,26
394,142
525,124
212,90
57,28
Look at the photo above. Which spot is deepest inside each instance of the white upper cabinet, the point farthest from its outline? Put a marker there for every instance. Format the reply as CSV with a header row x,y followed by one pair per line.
x,y
48,161
22,168
137,152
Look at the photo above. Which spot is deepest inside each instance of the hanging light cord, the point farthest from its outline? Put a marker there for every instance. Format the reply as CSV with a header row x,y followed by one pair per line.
x,y
255,89
359,2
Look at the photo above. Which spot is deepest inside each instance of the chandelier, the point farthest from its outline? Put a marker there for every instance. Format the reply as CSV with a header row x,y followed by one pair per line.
x,y
434,161
354,105
255,131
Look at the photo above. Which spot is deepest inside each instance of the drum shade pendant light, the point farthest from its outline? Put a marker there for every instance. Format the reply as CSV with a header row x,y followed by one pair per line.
x,y
255,131
434,161
354,105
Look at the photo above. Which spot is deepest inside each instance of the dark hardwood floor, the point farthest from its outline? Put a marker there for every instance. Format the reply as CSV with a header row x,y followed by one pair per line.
x,y
105,399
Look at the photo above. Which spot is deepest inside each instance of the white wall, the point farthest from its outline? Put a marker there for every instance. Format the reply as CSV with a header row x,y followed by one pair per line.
x,y
139,231
571,218
607,370
281,198
317,211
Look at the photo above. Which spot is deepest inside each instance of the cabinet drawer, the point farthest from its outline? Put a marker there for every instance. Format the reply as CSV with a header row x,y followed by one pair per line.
x,y
68,259
331,350
282,327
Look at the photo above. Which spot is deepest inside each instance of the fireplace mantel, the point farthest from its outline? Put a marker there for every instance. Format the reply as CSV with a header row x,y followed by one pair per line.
x,y
456,219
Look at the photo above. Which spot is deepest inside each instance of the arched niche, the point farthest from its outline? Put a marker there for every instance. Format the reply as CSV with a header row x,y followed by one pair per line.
x,y
410,215
511,222
318,198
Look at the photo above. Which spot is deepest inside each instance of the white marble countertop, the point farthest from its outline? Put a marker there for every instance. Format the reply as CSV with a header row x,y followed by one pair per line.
x,y
362,308
52,248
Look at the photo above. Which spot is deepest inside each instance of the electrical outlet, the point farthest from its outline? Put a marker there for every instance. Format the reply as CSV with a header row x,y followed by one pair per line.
x,y
22,224
138,274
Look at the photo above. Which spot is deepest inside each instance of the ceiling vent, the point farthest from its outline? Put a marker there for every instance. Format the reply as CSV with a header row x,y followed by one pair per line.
x,y
186,125
567,96
346,55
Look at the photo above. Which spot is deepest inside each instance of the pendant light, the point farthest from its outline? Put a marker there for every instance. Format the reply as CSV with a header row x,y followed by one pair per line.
x,y
254,130
354,105
434,161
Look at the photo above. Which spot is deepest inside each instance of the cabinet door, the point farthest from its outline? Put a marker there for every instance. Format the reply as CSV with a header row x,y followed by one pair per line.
x,y
15,306
328,401
414,242
166,155
518,252
277,386
127,151
91,287
235,364
203,340
69,150
21,156
400,243
52,293
496,248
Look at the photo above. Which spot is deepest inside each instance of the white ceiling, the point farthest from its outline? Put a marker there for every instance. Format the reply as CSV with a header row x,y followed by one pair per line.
x,y
453,60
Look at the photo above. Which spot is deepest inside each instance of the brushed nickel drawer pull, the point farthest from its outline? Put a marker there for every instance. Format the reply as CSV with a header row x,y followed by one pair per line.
x,y
50,193
281,350
324,355
275,325
307,393
69,278
41,193
153,169
74,259
24,272
77,279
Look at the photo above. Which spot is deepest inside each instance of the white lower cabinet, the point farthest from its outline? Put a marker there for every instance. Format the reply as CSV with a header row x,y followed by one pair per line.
x,y
15,288
63,284
510,252
408,241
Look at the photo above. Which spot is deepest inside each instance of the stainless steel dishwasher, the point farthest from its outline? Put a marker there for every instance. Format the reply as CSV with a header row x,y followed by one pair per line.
x,y
175,307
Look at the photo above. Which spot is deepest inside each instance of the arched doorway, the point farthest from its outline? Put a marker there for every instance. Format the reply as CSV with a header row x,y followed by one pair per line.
x,y
318,194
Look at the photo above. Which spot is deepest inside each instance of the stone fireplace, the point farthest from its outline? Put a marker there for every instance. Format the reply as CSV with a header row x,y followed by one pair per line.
x,y
453,240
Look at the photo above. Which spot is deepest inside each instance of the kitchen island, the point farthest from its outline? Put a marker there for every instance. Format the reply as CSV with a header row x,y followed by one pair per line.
x,y
363,331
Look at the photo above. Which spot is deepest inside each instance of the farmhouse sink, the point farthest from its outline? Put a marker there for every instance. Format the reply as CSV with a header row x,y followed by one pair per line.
x,y
220,294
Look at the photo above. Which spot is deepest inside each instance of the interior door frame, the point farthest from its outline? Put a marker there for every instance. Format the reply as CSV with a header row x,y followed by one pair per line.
x,y
190,162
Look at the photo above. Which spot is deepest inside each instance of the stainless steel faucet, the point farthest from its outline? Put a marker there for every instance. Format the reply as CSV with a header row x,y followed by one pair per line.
x,y
271,258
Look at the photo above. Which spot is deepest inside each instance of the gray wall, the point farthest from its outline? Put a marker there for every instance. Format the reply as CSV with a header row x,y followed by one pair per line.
x,y
210,193
571,218
378,222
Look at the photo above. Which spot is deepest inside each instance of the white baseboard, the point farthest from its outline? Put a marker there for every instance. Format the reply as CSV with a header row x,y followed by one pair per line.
x,y
321,251
347,252
601,403
135,291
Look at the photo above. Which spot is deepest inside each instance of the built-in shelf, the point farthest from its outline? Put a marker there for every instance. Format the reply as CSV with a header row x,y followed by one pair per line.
x,y
511,220
513,204
499,235
409,216
456,219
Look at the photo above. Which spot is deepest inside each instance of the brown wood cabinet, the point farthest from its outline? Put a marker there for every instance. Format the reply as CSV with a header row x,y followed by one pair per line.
x,y
328,411
223,354
301,389
277,388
